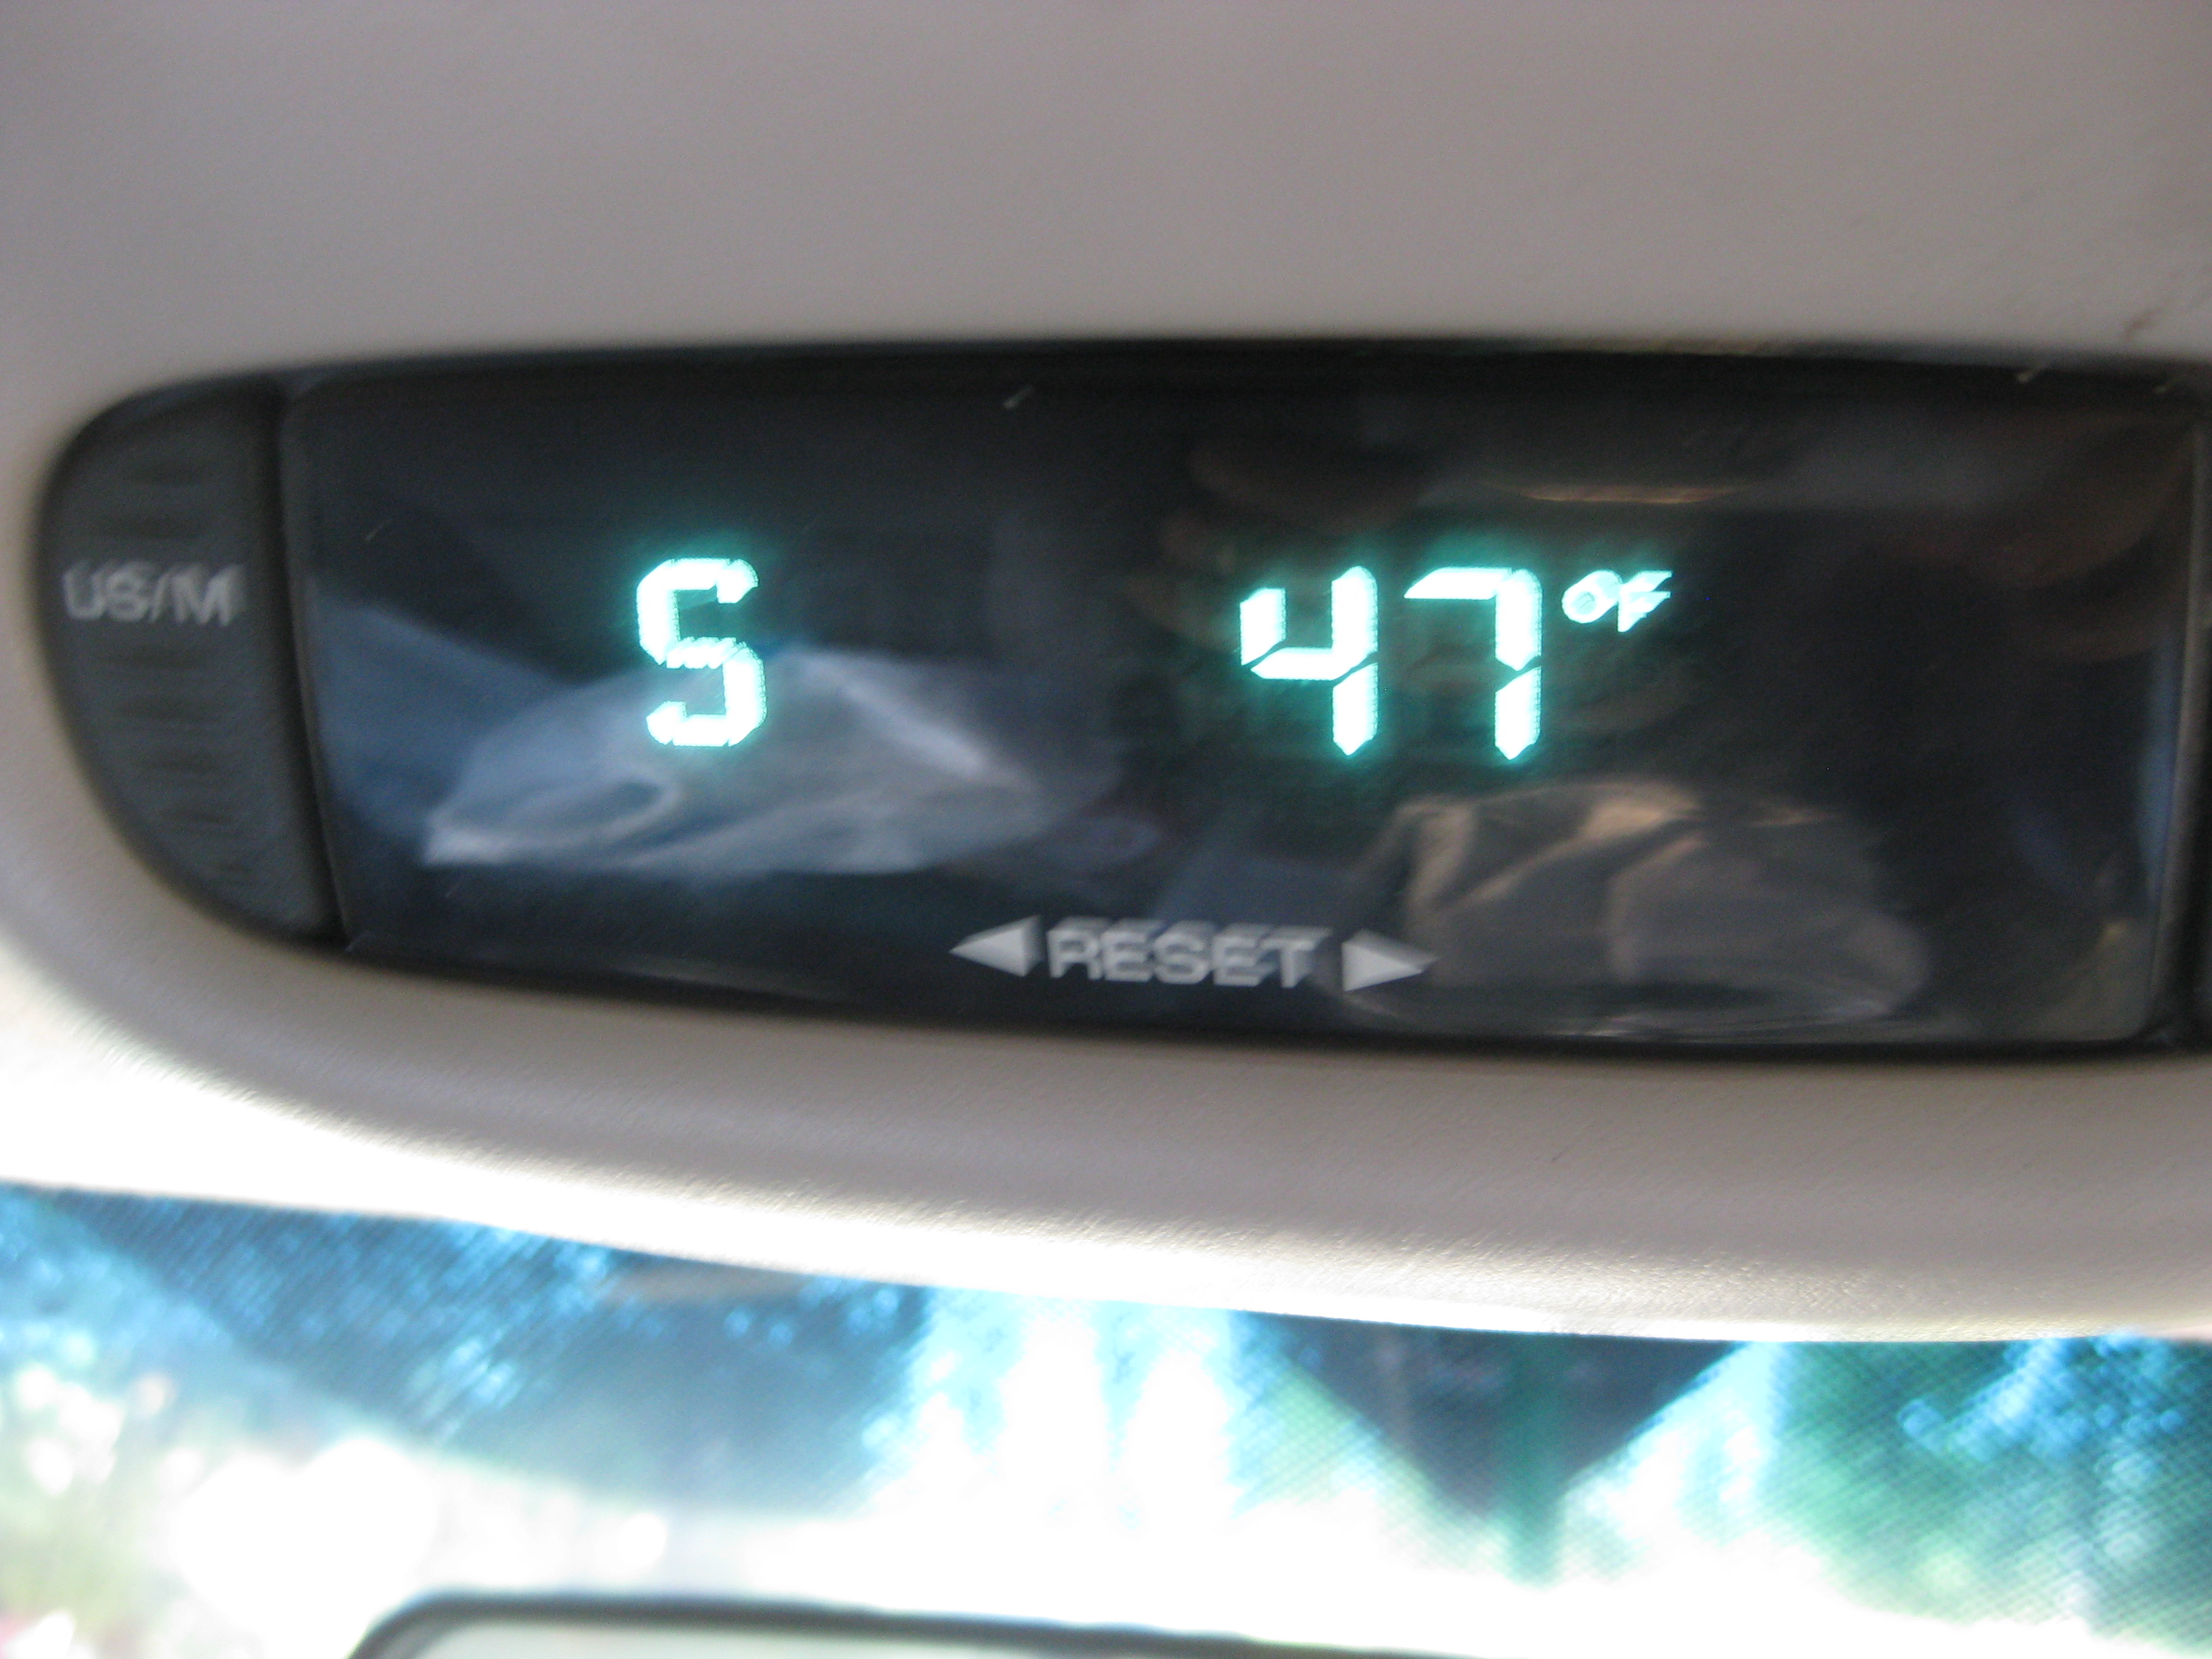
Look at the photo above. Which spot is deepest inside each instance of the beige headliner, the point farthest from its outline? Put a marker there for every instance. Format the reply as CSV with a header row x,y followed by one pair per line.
x,y
194,185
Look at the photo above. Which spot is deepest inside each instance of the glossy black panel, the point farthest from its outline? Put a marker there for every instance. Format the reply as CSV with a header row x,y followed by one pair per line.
x,y
1718,700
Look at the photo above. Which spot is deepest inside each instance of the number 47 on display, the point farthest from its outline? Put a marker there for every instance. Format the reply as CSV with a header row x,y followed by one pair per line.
x,y
1347,662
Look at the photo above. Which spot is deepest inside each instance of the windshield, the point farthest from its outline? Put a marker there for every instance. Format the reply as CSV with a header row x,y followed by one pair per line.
x,y
229,1432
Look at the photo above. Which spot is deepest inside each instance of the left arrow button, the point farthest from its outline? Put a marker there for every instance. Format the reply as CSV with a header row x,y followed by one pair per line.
x,y
1013,949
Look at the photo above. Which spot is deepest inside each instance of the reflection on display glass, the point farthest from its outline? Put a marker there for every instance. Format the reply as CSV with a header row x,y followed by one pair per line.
x,y
1350,691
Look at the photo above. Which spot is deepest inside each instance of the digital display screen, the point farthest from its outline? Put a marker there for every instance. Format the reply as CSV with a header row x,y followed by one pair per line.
x,y
1397,691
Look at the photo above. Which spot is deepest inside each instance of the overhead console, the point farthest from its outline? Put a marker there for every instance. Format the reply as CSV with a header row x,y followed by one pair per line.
x,y
1381,692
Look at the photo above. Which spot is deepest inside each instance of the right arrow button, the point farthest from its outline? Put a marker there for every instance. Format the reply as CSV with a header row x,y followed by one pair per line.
x,y
1371,959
